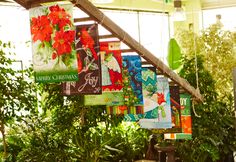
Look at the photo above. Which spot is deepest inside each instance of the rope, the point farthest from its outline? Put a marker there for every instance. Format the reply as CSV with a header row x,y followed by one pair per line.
x,y
196,65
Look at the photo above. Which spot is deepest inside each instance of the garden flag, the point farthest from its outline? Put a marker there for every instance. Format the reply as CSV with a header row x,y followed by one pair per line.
x,y
149,89
132,87
53,43
175,108
112,88
175,112
89,63
149,82
163,119
186,121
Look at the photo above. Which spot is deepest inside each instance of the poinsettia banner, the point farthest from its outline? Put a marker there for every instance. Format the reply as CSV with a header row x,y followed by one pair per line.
x,y
89,62
164,112
53,43
111,62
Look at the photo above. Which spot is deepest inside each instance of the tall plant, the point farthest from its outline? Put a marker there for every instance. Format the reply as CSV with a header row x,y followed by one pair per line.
x,y
217,46
213,132
17,93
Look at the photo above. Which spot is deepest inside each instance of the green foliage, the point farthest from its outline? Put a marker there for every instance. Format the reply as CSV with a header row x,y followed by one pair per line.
x,y
17,93
220,57
204,77
69,131
213,132
99,143
217,46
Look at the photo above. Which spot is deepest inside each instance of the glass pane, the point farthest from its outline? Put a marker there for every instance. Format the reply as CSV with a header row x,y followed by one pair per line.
x,y
227,14
154,33
127,20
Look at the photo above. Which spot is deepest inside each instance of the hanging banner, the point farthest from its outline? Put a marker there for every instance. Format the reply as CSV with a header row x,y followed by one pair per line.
x,y
111,62
164,111
175,112
175,108
53,43
89,63
149,82
132,87
186,120
135,112
149,89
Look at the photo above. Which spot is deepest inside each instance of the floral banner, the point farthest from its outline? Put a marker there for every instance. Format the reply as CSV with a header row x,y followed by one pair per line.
x,y
186,120
53,43
132,87
163,119
89,63
111,62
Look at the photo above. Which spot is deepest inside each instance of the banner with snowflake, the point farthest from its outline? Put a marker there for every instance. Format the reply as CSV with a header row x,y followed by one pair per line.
x,y
163,119
53,43
112,88
89,62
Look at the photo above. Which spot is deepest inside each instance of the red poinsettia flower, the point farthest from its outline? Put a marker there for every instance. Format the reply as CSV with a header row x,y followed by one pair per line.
x,y
160,98
58,16
41,28
63,42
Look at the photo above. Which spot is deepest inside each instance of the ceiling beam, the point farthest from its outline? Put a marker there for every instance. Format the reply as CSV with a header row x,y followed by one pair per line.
x,y
213,4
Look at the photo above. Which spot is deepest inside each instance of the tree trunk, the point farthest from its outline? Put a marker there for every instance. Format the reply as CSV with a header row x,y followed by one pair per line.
x,y
2,129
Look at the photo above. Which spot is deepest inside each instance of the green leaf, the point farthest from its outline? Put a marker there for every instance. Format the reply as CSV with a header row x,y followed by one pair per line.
x,y
174,54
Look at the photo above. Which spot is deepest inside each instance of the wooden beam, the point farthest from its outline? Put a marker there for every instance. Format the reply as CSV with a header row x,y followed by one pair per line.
x,y
83,19
127,50
101,18
107,36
